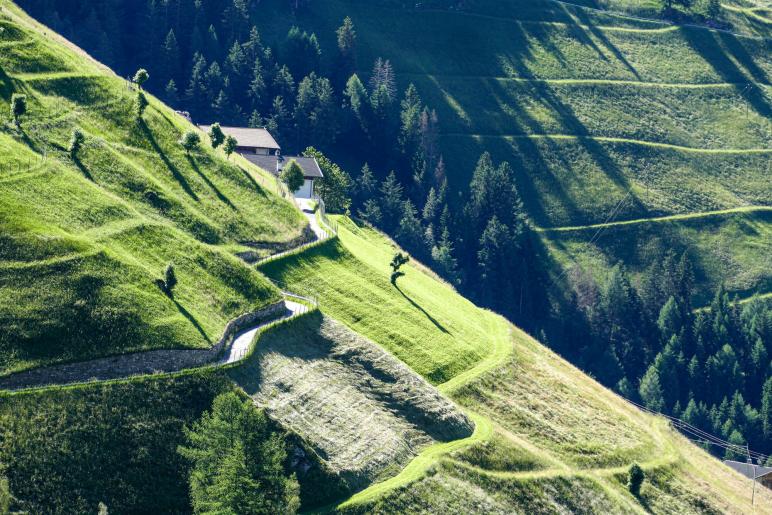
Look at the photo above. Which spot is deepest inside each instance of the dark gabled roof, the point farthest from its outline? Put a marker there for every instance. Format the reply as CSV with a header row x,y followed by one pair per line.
x,y
309,165
247,137
747,470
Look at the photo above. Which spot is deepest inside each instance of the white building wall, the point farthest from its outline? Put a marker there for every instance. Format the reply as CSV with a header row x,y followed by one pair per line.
x,y
305,191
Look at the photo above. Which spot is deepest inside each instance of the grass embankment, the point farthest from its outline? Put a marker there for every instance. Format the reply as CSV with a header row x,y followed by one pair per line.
x,y
83,239
732,247
365,412
423,322
546,435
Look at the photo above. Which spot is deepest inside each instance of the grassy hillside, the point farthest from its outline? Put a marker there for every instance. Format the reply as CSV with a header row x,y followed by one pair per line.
x,y
547,437
423,322
602,116
83,239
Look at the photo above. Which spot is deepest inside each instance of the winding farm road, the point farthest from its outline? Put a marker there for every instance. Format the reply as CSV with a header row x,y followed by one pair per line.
x,y
154,361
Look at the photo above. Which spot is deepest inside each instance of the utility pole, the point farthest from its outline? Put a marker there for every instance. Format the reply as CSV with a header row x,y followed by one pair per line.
x,y
753,477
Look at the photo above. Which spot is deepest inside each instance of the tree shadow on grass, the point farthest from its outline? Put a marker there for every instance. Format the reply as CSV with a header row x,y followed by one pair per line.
x,y
422,310
718,50
209,183
79,164
173,169
585,20
191,319
259,189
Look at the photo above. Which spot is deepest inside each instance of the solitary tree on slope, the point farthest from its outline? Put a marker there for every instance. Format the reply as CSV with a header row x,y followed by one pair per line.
x,y
190,141
216,135
230,145
141,77
18,108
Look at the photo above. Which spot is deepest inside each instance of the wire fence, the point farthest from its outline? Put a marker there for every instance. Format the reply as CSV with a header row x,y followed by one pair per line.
x,y
703,437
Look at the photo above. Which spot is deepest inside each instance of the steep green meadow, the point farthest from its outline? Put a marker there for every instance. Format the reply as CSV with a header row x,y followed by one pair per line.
x,y
423,322
547,438
604,117
82,240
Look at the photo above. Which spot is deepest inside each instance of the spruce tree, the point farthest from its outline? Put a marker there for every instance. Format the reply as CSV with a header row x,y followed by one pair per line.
x,y
650,391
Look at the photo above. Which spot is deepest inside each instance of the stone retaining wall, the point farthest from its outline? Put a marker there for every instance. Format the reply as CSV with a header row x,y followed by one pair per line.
x,y
148,362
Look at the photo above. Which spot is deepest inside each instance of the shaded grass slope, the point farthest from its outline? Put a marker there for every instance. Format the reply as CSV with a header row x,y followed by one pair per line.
x,y
602,116
83,239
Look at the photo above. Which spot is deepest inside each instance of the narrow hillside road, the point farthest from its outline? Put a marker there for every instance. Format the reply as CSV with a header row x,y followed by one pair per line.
x,y
321,233
307,207
240,346
240,331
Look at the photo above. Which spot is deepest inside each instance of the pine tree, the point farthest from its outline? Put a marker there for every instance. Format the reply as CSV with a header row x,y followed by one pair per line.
x,y
391,201
301,52
284,83
170,58
358,101
410,233
411,108
364,186
766,408
237,462
171,95
346,58
257,86
650,391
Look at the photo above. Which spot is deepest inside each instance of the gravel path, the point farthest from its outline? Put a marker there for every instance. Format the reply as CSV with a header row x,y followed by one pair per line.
x,y
238,336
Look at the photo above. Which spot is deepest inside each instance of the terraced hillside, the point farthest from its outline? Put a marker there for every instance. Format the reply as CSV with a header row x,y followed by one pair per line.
x,y
83,239
365,413
547,438
604,118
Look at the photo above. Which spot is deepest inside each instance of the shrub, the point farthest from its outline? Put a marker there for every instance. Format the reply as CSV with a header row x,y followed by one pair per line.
x,y
141,77
170,278
230,145
292,175
18,108
76,141
216,135
635,477
140,103
190,141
